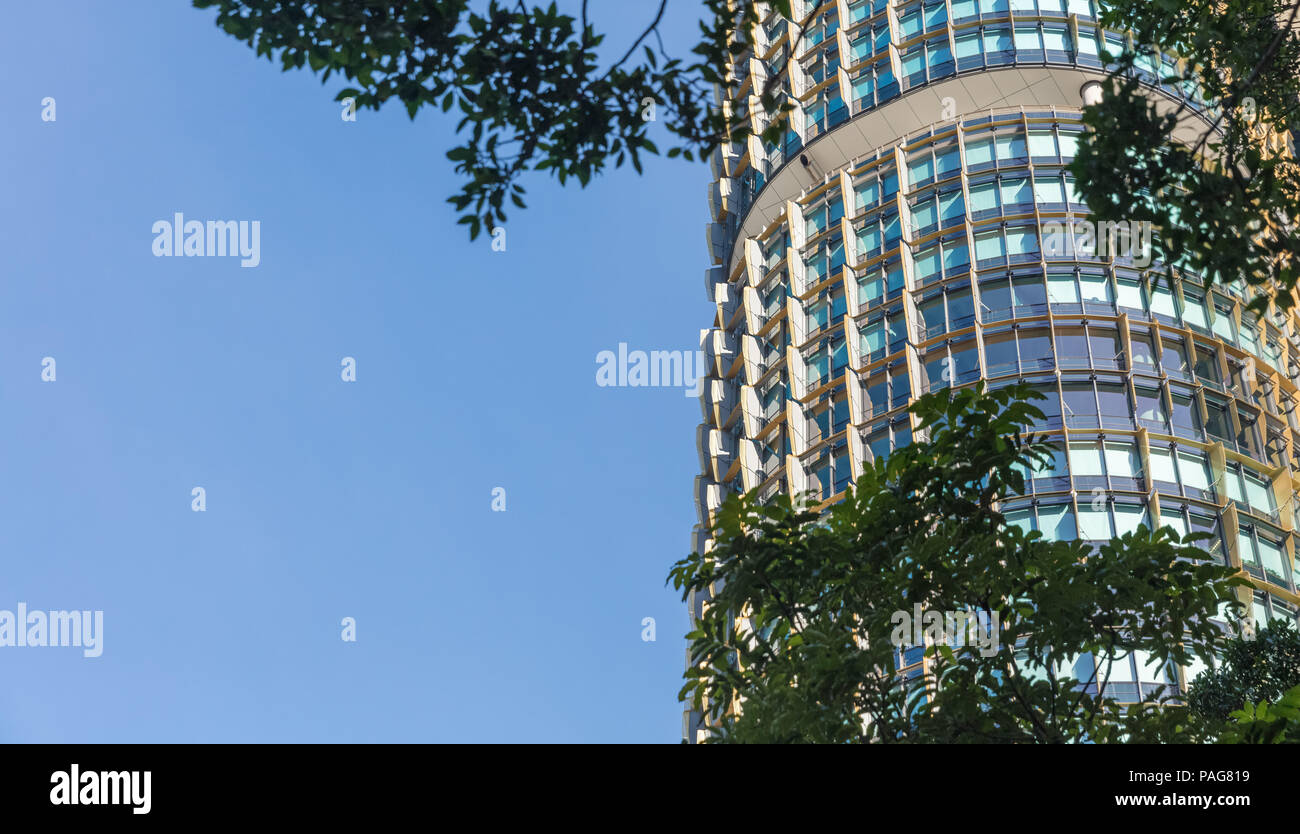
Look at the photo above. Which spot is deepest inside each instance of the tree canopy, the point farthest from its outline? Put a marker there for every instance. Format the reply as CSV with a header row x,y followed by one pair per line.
x,y
1262,668
817,654
1224,202
525,81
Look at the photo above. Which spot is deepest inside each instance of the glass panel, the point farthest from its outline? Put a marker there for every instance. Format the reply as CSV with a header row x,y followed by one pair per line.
x,y
1057,523
1194,311
1061,289
1122,460
1043,142
1079,399
979,151
1130,295
1072,347
1011,145
1048,191
990,245
1258,494
1162,466
1095,288
1036,351
1176,521
1094,525
1195,471
1232,483
1272,558
1105,346
1172,359
1054,38
1085,461
1127,518
1113,400
1000,354
1021,519
1150,404
1016,191
1162,302
1143,356
984,197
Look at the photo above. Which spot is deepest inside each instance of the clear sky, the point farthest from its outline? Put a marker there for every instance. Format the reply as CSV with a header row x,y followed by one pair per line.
x,y
327,499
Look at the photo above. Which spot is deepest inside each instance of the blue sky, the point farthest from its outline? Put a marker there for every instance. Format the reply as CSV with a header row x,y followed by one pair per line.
x,y
326,499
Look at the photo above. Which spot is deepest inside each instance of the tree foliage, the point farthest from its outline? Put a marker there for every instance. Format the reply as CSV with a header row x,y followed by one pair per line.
x,y
525,81
1263,667
817,596
531,93
1225,202
1265,723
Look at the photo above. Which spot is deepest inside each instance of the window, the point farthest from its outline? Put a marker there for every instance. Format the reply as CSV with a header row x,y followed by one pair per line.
x,y
1094,524
984,197
1051,407
1029,296
1047,475
1028,38
1042,143
1080,404
961,309
1151,407
979,153
1273,560
1259,494
1172,359
1095,289
1222,325
1162,302
1016,191
1113,401
1022,243
1128,517
1217,421
871,288
1123,461
951,207
1186,419
1194,311
1086,462
1062,289
1163,471
1207,364
1011,146
1143,358
1057,39
990,246
1131,295
1049,191
1036,350
1000,354
1194,472
1106,348
995,300
1057,523
873,338
928,265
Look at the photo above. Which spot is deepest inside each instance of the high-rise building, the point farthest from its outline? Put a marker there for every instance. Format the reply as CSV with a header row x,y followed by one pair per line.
x,y
904,237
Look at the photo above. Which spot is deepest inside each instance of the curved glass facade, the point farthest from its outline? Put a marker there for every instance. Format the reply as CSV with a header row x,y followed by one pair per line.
x,y
851,278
